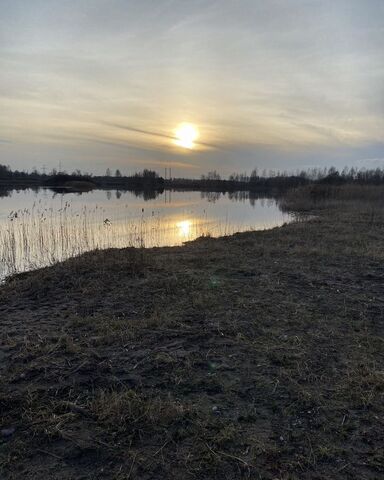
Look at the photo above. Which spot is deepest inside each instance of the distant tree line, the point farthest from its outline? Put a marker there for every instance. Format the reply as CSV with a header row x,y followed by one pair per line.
x,y
270,181
266,180
145,180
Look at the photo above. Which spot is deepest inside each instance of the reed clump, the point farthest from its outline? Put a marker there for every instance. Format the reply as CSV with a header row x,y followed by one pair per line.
x,y
42,236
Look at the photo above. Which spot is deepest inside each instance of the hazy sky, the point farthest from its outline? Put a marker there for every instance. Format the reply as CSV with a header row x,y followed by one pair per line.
x,y
268,83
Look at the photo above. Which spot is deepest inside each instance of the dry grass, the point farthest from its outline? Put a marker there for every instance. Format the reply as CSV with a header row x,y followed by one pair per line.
x,y
122,409
38,237
316,197
253,356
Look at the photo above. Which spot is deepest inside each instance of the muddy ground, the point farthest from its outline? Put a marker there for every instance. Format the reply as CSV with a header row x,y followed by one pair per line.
x,y
255,356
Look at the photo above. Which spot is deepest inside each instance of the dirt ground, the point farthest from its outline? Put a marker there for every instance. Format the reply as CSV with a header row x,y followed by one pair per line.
x,y
256,356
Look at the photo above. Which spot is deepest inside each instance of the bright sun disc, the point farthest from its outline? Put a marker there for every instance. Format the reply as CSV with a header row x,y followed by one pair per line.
x,y
186,135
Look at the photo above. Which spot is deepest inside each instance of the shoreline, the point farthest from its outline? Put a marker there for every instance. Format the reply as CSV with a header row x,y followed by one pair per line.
x,y
259,192
5,278
30,237
254,354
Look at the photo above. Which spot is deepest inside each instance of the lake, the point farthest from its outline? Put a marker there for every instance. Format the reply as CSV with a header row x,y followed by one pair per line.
x,y
39,228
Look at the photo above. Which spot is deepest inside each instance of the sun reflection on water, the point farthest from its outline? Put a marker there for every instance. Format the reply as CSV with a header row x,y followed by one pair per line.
x,y
184,228
50,231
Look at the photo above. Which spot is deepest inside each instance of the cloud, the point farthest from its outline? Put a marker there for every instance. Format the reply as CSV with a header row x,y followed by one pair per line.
x,y
170,163
157,134
273,78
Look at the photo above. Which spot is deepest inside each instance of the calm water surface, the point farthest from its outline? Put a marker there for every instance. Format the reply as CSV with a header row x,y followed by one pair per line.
x,y
41,228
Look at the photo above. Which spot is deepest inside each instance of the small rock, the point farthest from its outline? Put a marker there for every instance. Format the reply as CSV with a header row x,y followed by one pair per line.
x,y
216,410
7,432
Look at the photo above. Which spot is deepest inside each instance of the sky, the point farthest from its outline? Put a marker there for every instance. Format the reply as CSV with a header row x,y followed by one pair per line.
x,y
272,84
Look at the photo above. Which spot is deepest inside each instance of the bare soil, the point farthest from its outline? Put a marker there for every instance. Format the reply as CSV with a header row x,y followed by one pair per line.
x,y
256,356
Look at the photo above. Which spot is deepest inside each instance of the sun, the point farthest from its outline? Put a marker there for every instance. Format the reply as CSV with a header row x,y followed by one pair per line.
x,y
186,135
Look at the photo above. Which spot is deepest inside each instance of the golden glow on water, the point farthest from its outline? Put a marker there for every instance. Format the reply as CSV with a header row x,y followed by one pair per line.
x,y
54,229
186,135
184,228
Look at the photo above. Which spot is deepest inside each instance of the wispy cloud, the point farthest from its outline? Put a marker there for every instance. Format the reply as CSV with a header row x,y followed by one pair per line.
x,y
157,134
268,83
